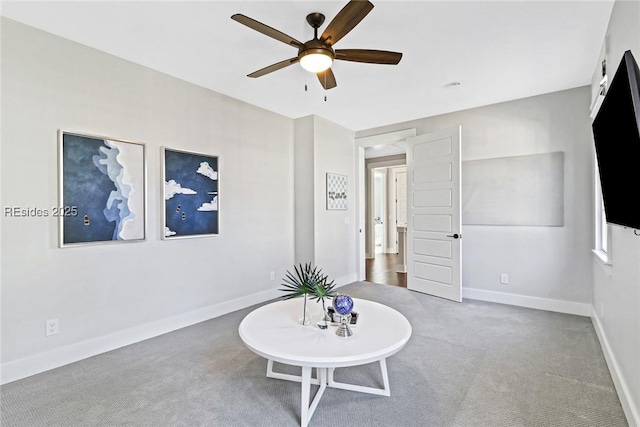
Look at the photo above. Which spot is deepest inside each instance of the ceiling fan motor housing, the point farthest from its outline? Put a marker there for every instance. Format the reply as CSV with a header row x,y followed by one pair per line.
x,y
315,46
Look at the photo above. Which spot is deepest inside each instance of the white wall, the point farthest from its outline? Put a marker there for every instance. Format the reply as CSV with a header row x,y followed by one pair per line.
x,y
330,241
616,290
304,183
109,295
552,263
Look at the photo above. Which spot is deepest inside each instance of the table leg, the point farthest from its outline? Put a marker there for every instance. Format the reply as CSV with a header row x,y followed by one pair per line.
x,y
322,375
287,377
385,377
324,379
385,391
307,409
306,390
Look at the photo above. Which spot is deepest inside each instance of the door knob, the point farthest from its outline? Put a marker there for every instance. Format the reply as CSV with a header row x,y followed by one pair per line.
x,y
455,236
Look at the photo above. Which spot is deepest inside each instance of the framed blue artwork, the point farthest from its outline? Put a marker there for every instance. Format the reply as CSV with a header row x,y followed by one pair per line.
x,y
190,194
102,190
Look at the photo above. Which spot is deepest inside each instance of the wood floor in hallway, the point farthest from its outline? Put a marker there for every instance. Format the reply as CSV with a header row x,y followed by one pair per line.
x,y
382,269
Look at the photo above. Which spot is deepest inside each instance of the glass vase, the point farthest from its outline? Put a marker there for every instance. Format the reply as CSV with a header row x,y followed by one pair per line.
x,y
305,319
326,319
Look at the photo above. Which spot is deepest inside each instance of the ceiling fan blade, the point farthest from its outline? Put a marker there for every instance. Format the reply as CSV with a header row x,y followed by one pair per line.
x,y
369,56
266,30
274,67
327,79
345,20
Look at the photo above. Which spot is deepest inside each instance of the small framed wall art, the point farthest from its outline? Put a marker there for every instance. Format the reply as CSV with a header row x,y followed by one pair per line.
x,y
102,190
336,191
190,194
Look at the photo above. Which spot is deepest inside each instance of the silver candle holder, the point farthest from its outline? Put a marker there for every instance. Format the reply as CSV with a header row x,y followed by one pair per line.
x,y
344,330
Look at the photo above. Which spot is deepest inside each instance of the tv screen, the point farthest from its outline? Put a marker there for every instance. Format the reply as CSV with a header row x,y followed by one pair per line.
x,y
616,132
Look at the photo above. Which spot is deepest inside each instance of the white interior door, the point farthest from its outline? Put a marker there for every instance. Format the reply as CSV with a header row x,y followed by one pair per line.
x,y
434,223
401,198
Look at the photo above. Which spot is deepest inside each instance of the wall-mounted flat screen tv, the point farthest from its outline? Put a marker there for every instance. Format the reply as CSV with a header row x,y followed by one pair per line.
x,y
616,132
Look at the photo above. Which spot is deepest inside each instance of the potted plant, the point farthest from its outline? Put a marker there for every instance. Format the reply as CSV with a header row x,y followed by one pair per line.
x,y
308,280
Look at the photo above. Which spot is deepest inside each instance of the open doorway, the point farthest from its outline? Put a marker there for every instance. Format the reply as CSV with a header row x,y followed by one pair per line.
x,y
432,246
387,199
384,194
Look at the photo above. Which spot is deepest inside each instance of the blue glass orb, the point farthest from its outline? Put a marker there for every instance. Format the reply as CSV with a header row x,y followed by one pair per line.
x,y
343,304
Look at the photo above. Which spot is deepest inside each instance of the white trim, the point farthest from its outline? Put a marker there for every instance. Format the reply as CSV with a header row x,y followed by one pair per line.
x,y
631,411
391,250
603,261
41,362
385,138
383,215
597,104
559,306
361,195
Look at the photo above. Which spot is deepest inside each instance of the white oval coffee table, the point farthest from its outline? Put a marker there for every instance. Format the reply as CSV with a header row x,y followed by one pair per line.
x,y
273,332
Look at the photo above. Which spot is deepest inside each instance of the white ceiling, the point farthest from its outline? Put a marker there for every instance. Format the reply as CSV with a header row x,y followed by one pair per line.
x,y
499,51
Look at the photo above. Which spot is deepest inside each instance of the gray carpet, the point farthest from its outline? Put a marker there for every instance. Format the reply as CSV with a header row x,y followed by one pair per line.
x,y
469,364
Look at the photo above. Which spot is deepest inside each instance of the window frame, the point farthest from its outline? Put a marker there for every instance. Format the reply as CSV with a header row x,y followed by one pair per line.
x,y
602,248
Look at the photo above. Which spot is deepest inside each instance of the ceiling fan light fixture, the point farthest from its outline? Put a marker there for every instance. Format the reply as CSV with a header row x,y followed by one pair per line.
x,y
316,61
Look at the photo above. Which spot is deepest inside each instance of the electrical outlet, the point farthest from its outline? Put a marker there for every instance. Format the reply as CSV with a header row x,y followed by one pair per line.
x,y
51,327
272,275
504,278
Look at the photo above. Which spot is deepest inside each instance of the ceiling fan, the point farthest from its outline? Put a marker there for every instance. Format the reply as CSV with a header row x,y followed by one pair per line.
x,y
317,54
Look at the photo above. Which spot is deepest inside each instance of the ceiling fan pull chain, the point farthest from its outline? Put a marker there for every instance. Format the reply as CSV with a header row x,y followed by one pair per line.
x,y
325,85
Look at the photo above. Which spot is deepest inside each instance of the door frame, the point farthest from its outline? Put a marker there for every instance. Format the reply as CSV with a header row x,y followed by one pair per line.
x,y
384,214
362,172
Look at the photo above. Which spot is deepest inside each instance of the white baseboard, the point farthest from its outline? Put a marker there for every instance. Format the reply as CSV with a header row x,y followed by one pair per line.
x,y
391,251
629,406
559,306
42,362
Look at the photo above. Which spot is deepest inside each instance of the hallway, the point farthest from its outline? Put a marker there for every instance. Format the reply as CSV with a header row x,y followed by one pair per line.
x,y
382,269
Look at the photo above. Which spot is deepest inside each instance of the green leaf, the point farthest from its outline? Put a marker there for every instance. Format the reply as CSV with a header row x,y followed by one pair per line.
x,y
307,280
